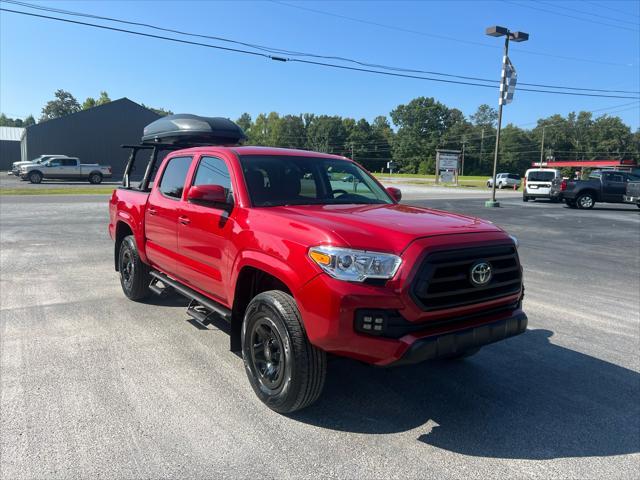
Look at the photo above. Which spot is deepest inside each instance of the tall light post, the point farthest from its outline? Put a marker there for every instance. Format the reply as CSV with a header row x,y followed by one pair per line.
x,y
497,31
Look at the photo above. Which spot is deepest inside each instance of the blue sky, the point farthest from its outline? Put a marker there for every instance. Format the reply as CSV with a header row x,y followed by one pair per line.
x,y
601,38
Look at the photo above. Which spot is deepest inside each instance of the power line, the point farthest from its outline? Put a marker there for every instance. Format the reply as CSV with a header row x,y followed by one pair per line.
x,y
310,62
553,12
607,7
597,15
444,37
303,54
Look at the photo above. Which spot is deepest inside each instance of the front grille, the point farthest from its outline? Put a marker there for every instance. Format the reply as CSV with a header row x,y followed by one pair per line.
x,y
444,279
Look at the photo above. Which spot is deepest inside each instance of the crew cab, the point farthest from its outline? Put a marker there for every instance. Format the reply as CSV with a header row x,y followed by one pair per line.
x,y
15,167
632,193
303,263
606,186
68,168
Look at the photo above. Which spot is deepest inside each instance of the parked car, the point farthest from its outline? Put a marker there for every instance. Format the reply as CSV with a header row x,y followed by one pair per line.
x,y
300,275
68,168
15,167
505,180
537,183
632,194
607,186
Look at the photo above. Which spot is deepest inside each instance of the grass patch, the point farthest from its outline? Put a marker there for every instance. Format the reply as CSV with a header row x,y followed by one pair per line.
x,y
431,177
58,191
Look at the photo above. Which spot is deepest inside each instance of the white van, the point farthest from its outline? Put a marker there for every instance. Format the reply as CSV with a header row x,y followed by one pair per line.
x,y
537,183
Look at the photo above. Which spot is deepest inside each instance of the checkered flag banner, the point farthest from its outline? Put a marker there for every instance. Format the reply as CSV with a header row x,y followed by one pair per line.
x,y
508,84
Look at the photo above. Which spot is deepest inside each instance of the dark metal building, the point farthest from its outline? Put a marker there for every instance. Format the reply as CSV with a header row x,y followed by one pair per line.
x,y
93,135
9,146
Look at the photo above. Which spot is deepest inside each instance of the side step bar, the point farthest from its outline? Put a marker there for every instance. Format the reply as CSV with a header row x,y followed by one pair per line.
x,y
212,305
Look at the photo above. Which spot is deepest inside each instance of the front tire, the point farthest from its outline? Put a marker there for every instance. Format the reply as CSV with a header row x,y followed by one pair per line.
x,y
286,372
134,273
585,201
35,177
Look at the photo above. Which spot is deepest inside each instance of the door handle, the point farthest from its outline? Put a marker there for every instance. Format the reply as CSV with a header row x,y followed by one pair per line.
x,y
184,220
152,211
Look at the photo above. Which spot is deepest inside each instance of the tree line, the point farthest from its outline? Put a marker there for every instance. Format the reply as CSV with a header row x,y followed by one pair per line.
x,y
412,133
425,125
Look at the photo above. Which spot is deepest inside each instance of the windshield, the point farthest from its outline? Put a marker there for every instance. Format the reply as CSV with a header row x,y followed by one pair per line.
x,y
541,176
274,180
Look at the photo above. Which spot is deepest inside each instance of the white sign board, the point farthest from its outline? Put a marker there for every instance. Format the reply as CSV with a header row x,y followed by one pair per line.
x,y
448,161
446,176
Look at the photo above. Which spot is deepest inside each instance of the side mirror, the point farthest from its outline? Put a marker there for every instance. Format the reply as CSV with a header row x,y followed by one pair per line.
x,y
211,194
395,193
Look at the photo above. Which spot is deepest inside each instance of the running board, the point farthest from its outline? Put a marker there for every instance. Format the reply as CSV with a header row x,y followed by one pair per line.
x,y
196,298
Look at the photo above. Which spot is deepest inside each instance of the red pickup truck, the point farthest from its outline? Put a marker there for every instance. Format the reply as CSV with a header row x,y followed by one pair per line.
x,y
306,254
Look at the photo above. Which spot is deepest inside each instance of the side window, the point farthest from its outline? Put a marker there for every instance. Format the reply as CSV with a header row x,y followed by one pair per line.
x,y
174,176
615,177
69,162
56,162
213,171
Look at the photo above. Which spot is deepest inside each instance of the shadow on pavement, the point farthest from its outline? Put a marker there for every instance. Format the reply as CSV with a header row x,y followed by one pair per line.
x,y
524,398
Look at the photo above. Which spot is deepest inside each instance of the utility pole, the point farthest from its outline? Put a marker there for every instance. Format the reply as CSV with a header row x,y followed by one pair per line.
x,y
464,142
497,31
481,146
542,146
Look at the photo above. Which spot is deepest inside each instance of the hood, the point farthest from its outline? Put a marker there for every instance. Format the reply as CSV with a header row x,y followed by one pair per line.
x,y
386,228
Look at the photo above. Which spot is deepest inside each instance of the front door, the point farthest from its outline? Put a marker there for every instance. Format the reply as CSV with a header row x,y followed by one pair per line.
x,y
204,231
614,186
161,215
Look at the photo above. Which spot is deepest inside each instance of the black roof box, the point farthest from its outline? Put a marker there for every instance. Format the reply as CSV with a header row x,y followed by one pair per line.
x,y
190,130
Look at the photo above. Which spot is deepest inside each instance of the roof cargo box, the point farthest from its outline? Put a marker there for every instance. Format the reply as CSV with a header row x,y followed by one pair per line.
x,y
190,130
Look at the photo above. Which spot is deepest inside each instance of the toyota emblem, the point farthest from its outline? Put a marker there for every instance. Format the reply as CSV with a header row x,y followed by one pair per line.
x,y
480,273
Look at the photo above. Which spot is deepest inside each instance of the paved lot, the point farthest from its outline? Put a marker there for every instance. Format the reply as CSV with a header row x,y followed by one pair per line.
x,y
93,385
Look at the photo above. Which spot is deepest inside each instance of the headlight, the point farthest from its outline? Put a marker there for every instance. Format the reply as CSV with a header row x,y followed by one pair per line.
x,y
515,240
354,265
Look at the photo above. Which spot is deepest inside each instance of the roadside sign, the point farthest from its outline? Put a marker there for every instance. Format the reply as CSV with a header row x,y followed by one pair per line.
x,y
448,161
447,176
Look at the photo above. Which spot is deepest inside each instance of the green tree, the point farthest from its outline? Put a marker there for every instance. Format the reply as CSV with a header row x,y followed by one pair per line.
x,y
63,104
245,123
422,124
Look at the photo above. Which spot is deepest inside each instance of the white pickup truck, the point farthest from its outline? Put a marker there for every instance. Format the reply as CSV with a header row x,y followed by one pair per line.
x,y
68,168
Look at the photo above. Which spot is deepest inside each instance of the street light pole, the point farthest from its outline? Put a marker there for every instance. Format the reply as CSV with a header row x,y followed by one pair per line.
x,y
500,105
497,31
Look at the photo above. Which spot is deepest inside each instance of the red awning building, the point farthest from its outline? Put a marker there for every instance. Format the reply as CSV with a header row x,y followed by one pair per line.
x,y
616,164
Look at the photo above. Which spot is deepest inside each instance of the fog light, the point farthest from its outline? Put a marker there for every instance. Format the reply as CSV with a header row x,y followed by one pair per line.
x,y
371,322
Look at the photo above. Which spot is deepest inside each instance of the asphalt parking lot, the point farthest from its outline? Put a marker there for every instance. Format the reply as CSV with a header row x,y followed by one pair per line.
x,y
95,386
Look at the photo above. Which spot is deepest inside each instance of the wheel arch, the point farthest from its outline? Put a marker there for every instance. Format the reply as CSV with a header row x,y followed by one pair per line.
x,y
123,229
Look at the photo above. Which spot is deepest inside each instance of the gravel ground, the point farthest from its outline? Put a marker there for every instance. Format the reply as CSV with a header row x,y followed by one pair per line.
x,y
95,386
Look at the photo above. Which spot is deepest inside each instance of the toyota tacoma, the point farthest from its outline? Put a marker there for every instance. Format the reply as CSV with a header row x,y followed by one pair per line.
x,y
304,263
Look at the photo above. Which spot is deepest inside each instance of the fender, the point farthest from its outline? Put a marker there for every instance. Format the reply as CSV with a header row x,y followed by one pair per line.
x,y
274,266
138,233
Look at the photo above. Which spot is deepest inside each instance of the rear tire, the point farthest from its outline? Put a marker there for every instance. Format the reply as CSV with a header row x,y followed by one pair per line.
x,y
286,372
95,178
570,203
585,201
134,273
35,177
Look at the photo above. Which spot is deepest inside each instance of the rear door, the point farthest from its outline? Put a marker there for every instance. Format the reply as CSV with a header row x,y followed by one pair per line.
x,y
539,182
614,186
161,215
204,232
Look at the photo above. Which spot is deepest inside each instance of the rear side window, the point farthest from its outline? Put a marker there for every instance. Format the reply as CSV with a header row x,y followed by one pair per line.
x,y
174,176
69,162
513,176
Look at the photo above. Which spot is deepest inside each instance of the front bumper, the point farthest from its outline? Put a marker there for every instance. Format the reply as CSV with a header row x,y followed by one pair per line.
x,y
442,346
630,199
